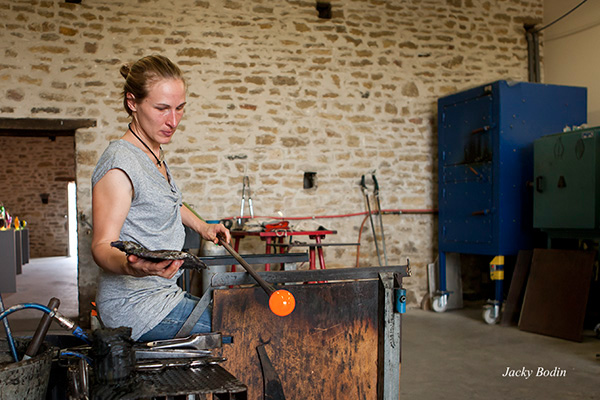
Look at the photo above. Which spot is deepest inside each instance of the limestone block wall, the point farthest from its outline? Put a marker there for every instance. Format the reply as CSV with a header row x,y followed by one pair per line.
x,y
32,166
273,92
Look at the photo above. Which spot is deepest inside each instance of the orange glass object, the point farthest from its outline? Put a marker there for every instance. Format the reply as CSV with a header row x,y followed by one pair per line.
x,y
282,302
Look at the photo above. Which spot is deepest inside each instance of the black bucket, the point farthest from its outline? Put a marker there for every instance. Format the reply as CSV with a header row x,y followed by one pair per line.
x,y
24,379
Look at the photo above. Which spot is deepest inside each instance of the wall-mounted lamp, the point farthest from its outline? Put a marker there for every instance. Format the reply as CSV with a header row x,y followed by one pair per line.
x,y
44,197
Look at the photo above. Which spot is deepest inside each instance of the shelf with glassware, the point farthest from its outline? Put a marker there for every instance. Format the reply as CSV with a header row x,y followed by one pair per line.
x,y
14,248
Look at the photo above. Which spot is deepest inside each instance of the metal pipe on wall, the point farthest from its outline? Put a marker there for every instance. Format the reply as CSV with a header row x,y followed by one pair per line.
x,y
533,53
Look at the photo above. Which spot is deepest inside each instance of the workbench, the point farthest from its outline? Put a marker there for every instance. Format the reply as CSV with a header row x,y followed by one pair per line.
x,y
275,238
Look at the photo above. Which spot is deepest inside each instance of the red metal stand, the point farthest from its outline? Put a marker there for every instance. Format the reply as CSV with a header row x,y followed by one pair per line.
x,y
279,236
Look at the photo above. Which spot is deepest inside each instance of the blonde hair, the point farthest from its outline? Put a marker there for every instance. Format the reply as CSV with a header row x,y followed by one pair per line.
x,y
140,75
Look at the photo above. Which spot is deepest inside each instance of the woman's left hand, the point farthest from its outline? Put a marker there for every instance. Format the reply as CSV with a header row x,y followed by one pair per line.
x,y
214,230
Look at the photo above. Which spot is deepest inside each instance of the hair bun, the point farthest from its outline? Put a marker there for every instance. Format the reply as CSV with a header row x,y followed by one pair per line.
x,y
125,68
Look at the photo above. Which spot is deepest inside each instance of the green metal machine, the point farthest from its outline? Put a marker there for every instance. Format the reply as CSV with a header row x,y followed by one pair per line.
x,y
567,184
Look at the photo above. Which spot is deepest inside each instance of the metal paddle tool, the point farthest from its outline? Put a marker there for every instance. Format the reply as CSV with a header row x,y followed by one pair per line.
x,y
190,261
379,213
363,185
273,390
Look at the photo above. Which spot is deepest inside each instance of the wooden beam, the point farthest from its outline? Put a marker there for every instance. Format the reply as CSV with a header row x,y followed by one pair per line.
x,y
36,127
34,133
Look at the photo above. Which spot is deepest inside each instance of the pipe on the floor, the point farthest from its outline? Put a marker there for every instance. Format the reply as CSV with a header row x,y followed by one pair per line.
x,y
61,319
42,329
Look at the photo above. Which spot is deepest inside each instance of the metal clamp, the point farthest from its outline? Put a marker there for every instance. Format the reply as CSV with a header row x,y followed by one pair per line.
x,y
246,191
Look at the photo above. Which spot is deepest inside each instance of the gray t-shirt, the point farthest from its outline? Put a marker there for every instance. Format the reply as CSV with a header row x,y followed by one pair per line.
x,y
154,221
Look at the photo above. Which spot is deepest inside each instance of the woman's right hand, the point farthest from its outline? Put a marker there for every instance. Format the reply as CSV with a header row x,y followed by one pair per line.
x,y
141,267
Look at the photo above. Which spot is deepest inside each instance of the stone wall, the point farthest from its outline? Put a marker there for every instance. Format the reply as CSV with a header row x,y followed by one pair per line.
x,y
30,167
273,92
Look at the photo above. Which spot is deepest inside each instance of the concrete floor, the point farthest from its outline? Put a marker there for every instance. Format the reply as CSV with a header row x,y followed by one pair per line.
x,y
42,279
453,355
456,355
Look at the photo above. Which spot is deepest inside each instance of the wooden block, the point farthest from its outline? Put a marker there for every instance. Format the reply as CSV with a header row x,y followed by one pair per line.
x,y
454,281
557,293
514,300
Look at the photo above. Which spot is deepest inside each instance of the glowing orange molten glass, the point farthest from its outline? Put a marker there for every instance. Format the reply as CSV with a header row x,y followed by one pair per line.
x,y
282,303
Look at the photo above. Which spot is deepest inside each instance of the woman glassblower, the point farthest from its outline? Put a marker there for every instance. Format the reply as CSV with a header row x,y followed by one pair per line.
x,y
135,198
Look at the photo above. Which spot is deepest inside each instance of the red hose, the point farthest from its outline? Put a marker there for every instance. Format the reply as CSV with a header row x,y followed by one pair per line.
x,y
394,211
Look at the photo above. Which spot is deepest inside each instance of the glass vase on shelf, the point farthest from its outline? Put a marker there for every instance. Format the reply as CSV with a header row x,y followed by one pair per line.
x,y
2,217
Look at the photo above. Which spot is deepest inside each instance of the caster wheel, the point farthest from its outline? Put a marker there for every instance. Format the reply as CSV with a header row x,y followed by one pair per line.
x,y
439,303
490,316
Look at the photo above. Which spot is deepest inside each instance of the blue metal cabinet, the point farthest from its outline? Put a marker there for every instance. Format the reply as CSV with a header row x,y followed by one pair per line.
x,y
485,153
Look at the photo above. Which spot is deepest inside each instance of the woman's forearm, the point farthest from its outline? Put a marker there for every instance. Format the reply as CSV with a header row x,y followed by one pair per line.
x,y
190,220
110,259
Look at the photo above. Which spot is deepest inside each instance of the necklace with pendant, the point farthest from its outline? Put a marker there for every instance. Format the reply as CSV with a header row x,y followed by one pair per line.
x,y
160,160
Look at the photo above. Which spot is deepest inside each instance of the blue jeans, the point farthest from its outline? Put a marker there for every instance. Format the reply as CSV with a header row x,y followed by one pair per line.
x,y
168,327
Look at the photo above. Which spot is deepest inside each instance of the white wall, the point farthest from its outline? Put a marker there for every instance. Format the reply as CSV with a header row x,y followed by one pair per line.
x,y
571,53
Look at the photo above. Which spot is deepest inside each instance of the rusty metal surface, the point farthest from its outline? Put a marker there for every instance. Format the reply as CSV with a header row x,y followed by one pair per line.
x,y
327,348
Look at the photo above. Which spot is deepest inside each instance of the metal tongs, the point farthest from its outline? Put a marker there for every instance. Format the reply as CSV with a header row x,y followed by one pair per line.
x,y
196,346
159,365
246,187
363,185
200,341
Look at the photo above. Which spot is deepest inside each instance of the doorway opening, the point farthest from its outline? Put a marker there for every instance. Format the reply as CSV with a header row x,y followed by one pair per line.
x,y
72,218
40,152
